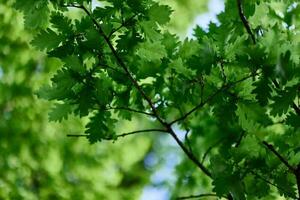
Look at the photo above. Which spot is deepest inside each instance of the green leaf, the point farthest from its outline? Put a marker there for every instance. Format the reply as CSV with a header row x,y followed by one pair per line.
x,y
293,120
251,116
160,13
262,91
74,63
62,23
101,126
60,112
151,51
283,101
150,30
36,13
46,39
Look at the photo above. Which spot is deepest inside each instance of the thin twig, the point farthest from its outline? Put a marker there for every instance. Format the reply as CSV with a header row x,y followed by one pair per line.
x,y
121,135
295,107
202,104
188,153
210,148
131,110
196,196
122,25
112,68
281,158
123,66
268,182
245,21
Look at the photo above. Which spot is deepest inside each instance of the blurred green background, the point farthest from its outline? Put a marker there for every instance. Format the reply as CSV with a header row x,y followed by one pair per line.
x,y
38,160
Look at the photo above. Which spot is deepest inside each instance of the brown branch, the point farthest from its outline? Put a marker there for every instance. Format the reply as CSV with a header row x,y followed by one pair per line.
x,y
123,66
210,148
295,107
297,174
268,182
122,25
111,68
130,110
282,159
248,28
190,155
245,21
202,104
196,196
294,170
123,134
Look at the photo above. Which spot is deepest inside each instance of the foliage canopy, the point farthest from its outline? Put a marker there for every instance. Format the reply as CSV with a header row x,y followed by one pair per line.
x,y
234,88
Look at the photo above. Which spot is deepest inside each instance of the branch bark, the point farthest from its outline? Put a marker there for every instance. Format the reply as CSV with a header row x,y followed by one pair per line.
x,y
190,155
203,103
293,170
168,127
281,158
196,196
245,21
130,110
123,134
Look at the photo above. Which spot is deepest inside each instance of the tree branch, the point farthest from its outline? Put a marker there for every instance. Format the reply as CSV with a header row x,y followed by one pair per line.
x,y
123,134
294,170
268,182
122,25
202,104
123,66
130,110
190,155
210,148
245,21
282,159
295,107
196,196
